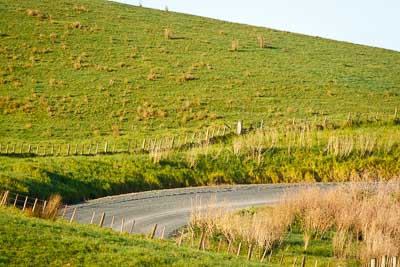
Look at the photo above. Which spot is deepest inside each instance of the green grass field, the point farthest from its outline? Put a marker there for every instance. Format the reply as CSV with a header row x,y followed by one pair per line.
x,y
35,242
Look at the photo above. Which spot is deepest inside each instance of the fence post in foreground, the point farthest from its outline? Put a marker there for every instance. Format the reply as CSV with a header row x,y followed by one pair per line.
x,y
394,261
203,234
4,199
153,231
373,263
239,248
103,215
383,261
264,254
181,238
122,224
163,233
34,205
44,206
250,252
73,216
133,225
112,221
91,220
15,200
25,202
303,261
64,211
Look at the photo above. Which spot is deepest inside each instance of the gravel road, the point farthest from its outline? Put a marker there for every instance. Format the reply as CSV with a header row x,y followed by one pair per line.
x,y
171,208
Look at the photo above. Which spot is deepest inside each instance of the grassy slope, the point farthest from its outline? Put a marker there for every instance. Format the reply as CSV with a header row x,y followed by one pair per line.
x,y
60,84
34,242
86,80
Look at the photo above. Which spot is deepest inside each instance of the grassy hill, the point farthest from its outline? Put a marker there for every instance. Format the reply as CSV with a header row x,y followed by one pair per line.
x,y
97,69
34,242
90,71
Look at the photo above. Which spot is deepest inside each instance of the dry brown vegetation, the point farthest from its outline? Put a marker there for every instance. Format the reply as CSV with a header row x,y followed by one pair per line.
x,y
49,210
362,220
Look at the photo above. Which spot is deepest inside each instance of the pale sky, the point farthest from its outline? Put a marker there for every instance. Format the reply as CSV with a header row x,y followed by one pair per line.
x,y
368,22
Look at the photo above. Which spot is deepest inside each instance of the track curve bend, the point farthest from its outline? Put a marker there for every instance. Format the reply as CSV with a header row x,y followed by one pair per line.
x,y
171,208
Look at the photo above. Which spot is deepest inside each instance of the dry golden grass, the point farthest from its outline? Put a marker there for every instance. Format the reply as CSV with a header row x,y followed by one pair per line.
x,y
168,34
50,211
235,45
363,220
260,230
364,214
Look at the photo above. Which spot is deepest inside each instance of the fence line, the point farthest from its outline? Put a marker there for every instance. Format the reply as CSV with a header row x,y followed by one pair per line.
x,y
181,142
148,145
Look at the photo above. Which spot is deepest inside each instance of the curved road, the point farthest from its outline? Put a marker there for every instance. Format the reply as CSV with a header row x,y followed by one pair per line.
x,y
171,208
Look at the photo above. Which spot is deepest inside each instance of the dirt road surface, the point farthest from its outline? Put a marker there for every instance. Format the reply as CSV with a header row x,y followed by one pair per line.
x,y
171,208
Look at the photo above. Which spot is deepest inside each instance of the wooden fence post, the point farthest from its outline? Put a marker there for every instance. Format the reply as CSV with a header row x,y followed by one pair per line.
x,y
15,200
163,233
4,199
90,149
133,225
250,252
303,261
394,261
281,260
73,216
64,211
34,205
122,224
181,238
97,149
264,254
229,247
153,231
383,261
7,149
238,250
201,239
373,263
68,149
25,202
112,221
29,148
44,206
91,220
103,215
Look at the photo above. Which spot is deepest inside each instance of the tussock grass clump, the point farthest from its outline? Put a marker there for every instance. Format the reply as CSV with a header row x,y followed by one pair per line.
x,y
261,41
168,34
49,211
235,45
